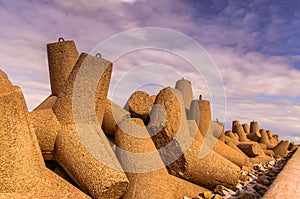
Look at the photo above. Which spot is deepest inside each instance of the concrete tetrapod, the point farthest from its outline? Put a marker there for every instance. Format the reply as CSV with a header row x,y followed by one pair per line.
x,y
234,123
144,168
251,160
254,136
292,147
112,116
254,132
281,149
246,128
232,141
273,141
261,159
270,134
218,146
200,112
62,57
63,107
171,136
82,144
44,121
251,149
276,138
218,130
234,146
263,146
239,130
185,87
269,153
46,127
230,136
133,153
139,105
265,139
22,169
254,127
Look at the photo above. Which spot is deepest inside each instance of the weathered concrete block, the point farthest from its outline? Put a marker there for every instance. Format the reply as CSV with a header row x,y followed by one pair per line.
x,y
246,128
22,168
240,159
233,138
270,134
100,180
185,87
234,146
254,127
281,149
254,136
19,161
113,115
63,108
261,159
46,127
273,141
236,135
183,188
200,112
146,171
238,129
218,130
292,147
265,139
62,57
263,146
269,153
49,185
166,122
139,105
235,122
206,171
276,137
134,155
251,149
229,139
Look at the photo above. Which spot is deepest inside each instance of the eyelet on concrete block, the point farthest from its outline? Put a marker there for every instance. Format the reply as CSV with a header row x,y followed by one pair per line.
x,y
98,55
61,39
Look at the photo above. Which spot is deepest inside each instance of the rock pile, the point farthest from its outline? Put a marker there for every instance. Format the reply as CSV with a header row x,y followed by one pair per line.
x,y
163,146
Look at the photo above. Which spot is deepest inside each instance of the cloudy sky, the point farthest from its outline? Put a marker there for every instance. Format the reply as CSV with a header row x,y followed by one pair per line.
x,y
255,45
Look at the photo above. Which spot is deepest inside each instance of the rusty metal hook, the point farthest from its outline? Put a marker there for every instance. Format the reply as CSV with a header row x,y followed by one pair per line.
x,y
61,39
98,55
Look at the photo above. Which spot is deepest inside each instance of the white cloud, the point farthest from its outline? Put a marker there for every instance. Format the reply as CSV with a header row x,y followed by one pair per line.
x,y
250,74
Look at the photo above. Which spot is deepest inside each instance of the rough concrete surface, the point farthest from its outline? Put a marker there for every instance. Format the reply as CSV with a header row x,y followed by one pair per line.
x,y
62,57
100,181
22,168
112,116
287,183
